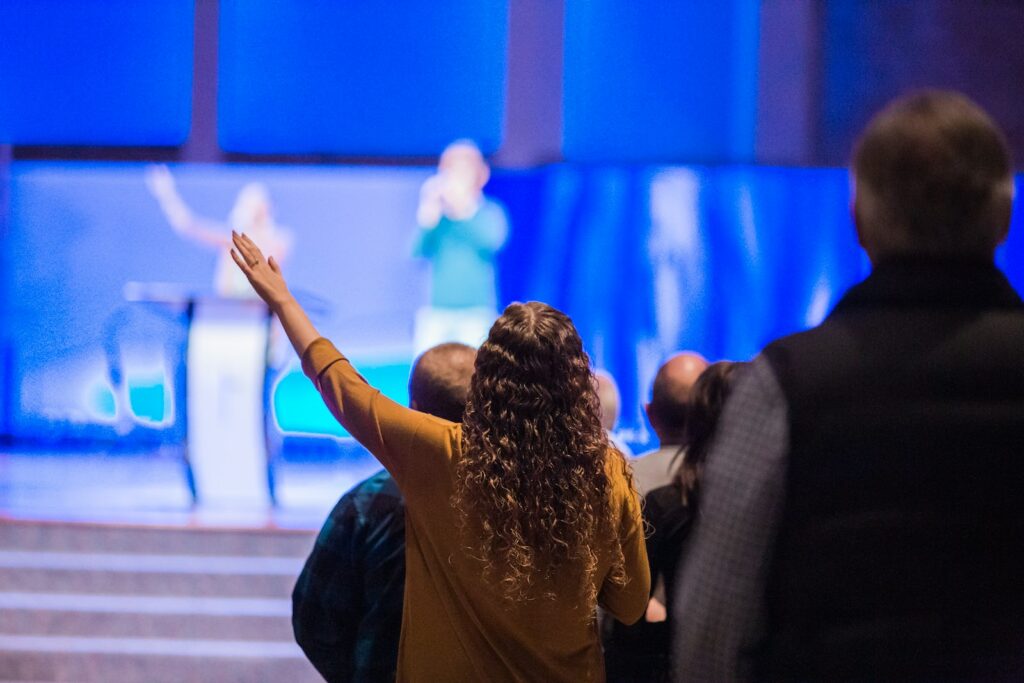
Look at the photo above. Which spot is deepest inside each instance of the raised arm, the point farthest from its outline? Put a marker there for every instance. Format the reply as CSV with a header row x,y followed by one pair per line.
x,y
391,432
492,231
265,277
203,230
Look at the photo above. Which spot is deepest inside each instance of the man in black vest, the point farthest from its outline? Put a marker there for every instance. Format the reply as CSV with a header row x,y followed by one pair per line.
x,y
863,509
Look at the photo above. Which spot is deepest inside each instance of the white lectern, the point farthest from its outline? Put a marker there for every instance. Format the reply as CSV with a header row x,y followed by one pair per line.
x,y
226,368
225,415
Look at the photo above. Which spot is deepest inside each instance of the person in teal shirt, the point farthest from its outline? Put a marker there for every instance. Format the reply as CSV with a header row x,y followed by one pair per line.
x,y
461,232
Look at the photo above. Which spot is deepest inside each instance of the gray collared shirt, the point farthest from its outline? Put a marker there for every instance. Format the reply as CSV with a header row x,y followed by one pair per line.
x,y
656,468
719,607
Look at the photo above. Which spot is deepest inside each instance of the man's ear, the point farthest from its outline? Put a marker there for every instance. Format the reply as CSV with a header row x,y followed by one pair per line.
x,y
650,418
857,216
1004,233
855,219
413,404
1004,212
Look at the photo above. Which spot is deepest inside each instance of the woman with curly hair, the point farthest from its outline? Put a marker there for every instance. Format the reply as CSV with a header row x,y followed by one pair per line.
x,y
520,520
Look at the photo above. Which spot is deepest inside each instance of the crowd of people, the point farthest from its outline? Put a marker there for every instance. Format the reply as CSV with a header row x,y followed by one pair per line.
x,y
844,506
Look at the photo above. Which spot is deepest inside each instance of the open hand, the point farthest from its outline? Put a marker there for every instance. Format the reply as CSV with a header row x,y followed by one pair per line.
x,y
264,274
656,612
160,181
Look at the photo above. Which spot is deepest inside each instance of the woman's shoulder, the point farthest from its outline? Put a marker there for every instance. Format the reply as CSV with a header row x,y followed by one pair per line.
x,y
618,469
623,490
441,431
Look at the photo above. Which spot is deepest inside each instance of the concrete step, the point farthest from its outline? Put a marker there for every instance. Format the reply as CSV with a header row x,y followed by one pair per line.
x,y
141,574
43,623
87,537
152,583
114,616
96,603
151,660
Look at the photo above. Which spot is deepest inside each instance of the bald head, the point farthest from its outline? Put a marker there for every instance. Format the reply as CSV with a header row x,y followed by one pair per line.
x,y
670,396
439,384
608,396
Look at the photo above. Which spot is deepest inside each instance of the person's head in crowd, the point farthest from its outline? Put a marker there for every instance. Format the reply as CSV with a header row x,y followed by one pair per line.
x,y
707,400
463,172
534,480
439,383
932,176
608,399
252,212
670,396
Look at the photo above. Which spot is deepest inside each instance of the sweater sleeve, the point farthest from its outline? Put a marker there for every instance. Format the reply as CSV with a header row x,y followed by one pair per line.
x,y
628,602
393,433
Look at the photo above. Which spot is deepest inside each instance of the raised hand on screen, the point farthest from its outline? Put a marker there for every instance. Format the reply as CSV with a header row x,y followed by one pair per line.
x,y
264,274
160,182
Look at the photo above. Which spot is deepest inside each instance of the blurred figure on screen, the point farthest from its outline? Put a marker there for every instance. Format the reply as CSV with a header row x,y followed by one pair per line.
x,y
460,232
251,214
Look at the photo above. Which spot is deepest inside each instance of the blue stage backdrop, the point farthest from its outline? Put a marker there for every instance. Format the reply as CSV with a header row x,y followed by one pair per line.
x,y
81,72
660,80
647,261
361,78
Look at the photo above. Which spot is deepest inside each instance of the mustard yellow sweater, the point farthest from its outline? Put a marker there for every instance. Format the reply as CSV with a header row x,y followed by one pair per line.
x,y
456,625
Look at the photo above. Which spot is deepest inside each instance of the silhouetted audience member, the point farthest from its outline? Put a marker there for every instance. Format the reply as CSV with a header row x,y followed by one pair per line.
x,y
641,653
861,514
347,603
610,403
667,411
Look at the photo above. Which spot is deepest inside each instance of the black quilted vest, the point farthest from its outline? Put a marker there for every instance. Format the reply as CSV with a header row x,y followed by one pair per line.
x,y
900,554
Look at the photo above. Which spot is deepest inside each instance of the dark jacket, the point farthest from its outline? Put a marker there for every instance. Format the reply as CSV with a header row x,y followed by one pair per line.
x,y
900,553
347,603
641,652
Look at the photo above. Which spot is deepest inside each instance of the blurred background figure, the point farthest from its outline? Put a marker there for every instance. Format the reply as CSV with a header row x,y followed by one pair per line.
x,y
608,395
252,214
667,412
639,653
231,348
461,231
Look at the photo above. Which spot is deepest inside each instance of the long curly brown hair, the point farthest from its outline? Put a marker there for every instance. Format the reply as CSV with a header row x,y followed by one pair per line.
x,y
533,480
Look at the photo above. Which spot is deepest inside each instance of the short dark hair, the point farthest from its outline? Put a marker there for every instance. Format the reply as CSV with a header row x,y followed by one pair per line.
x,y
440,379
934,176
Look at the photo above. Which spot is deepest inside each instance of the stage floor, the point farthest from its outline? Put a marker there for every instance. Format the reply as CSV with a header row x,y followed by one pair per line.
x,y
149,488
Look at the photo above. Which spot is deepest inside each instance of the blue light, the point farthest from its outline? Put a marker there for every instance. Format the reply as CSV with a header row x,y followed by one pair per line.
x,y
95,72
361,78
660,81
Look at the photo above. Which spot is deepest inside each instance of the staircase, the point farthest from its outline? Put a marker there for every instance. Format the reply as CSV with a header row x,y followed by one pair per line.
x,y
114,604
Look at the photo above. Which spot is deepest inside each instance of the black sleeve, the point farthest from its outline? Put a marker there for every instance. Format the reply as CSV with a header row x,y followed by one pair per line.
x,y
670,521
327,599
